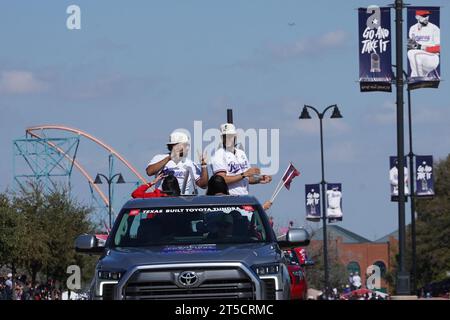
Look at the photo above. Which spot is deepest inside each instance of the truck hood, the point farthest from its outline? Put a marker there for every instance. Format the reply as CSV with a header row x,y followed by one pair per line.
x,y
248,254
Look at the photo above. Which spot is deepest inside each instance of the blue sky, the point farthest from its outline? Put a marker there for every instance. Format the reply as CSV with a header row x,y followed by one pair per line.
x,y
136,70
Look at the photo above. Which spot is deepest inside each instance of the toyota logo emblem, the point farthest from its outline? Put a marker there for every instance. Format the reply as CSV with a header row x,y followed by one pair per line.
x,y
188,278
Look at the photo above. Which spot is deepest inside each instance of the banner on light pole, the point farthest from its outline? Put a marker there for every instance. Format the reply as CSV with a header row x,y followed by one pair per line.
x,y
375,61
423,47
393,177
312,201
424,176
334,202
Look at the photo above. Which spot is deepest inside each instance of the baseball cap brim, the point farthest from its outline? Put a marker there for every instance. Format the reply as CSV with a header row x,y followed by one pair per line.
x,y
422,13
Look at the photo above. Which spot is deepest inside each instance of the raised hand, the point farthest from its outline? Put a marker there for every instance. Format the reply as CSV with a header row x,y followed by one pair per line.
x,y
203,157
158,178
267,205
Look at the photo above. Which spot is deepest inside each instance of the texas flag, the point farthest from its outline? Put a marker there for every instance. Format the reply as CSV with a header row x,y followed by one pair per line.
x,y
289,175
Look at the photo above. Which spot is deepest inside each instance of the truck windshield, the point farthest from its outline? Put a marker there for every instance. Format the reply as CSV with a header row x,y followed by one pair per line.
x,y
190,225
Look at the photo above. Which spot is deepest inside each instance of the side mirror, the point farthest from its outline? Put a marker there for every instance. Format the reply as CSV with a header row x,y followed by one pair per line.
x,y
295,237
87,243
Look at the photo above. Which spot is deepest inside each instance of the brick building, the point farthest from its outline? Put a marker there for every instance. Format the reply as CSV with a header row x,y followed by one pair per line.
x,y
358,253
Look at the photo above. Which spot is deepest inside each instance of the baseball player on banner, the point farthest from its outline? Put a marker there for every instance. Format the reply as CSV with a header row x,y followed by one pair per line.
x,y
424,46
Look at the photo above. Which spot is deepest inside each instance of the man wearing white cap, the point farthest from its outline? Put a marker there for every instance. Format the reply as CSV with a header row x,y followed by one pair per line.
x,y
178,164
232,164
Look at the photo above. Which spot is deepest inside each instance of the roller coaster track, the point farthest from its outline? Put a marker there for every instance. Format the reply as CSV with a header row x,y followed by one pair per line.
x,y
32,131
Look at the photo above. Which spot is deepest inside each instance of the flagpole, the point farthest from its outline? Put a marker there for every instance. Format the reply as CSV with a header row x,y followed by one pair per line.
x,y
276,194
280,183
284,182
279,186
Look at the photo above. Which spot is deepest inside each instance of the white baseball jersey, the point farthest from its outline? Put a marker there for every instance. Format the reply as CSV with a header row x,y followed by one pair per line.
x,y
179,171
393,177
334,203
429,35
233,164
424,62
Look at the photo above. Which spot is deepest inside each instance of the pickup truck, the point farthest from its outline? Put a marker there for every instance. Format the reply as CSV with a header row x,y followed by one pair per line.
x,y
192,247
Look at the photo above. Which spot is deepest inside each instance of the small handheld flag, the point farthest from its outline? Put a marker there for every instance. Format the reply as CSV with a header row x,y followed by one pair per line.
x,y
286,180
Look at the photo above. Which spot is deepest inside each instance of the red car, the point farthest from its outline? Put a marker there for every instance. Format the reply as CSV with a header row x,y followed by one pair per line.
x,y
299,286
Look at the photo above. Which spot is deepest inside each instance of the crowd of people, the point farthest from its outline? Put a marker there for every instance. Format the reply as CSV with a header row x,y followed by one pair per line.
x,y
345,294
353,290
21,288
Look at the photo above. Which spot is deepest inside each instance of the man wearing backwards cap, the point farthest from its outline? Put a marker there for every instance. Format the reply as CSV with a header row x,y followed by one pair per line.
x,y
177,163
232,164
424,45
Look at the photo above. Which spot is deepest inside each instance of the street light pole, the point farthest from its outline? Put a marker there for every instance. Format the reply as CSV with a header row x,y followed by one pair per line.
x,y
412,195
109,204
403,286
320,115
109,181
324,216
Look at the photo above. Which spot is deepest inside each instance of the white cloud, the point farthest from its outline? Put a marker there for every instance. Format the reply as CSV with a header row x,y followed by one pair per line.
x,y
262,58
21,82
384,114
332,39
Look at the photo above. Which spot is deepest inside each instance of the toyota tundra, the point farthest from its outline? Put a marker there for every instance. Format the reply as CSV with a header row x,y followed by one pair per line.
x,y
192,247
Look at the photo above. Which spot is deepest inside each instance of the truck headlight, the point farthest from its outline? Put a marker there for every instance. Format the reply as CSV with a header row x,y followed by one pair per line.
x,y
262,270
110,275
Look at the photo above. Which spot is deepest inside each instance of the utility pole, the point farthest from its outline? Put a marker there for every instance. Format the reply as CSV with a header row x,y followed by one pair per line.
x,y
403,278
413,199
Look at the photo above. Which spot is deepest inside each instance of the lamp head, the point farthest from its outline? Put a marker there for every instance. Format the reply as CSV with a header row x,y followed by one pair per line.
x,y
305,114
120,179
336,113
98,180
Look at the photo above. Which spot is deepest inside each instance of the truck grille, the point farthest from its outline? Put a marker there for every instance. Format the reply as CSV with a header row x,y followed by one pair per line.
x,y
215,283
269,286
108,291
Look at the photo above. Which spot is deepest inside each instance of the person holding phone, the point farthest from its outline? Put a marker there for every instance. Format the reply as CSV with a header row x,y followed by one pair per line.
x,y
176,162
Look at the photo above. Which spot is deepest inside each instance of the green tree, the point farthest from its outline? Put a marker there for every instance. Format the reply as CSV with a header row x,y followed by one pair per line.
x,y
38,230
433,229
315,273
32,239
11,227
64,220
